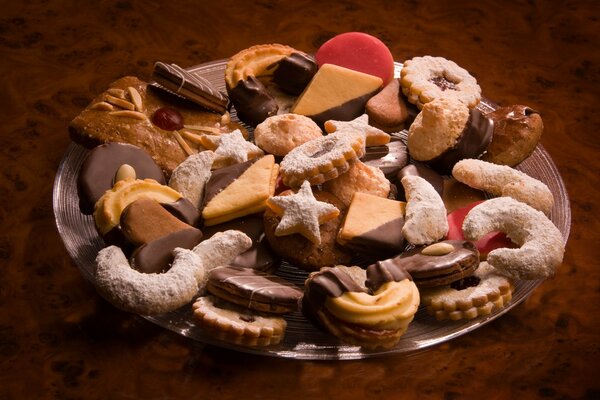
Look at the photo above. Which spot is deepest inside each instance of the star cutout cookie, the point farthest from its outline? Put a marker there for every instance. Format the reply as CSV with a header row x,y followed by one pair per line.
x,y
373,136
231,148
302,213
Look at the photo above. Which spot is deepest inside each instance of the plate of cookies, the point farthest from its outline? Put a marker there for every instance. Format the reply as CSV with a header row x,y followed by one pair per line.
x,y
335,205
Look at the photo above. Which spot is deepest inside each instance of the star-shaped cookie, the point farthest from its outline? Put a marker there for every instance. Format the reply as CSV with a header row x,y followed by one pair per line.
x,y
302,213
231,148
373,136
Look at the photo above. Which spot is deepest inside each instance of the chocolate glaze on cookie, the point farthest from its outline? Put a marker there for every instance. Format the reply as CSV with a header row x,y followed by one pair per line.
x,y
389,158
100,166
472,143
252,101
294,72
156,256
344,112
259,256
184,210
385,271
223,177
384,239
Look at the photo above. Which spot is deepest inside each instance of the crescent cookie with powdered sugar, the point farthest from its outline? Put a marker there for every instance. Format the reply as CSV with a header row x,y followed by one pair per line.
x,y
502,180
425,221
147,294
541,243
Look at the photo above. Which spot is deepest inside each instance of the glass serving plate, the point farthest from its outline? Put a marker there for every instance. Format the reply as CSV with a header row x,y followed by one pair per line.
x,y
302,340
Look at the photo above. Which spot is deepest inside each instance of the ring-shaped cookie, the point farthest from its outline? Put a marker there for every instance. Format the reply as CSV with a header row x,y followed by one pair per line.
x,y
424,79
146,294
541,243
321,159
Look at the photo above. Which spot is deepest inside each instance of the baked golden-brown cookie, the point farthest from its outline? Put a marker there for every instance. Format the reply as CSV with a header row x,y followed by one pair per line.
x,y
127,113
280,134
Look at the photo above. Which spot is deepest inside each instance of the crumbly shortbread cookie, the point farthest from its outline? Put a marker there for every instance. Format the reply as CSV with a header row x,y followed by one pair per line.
x,y
359,178
282,133
237,324
541,243
502,180
190,177
301,213
425,220
373,136
147,294
424,79
321,159
479,294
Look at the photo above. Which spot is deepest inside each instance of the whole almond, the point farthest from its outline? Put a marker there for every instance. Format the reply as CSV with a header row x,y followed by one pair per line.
x,y
124,172
438,249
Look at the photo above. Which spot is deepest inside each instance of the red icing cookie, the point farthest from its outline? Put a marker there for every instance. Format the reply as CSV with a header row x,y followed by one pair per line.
x,y
489,242
360,52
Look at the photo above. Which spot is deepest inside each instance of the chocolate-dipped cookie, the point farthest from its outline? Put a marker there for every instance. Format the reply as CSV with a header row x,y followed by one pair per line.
x,y
447,131
389,158
438,264
254,289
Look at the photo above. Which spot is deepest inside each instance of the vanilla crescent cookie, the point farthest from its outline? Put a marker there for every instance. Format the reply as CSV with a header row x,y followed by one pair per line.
x,y
425,221
424,79
146,294
190,177
479,294
321,159
541,243
502,180
239,325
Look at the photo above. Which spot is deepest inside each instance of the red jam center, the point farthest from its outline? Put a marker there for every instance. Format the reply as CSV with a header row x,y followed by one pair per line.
x,y
167,118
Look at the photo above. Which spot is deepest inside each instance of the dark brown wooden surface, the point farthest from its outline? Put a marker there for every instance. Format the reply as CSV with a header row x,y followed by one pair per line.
x,y
58,339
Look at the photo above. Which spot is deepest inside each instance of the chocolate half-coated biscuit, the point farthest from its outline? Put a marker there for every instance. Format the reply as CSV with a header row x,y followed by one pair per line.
x,y
294,72
254,289
437,270
390,158
252,101
156,256
259,256
98,171
472,142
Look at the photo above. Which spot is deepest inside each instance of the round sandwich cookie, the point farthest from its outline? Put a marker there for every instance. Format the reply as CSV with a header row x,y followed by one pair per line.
x,y
440,263
254,289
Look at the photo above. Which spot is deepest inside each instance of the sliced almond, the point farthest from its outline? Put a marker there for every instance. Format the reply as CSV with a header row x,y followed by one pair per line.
x,y
186,147
203,128
102,106
115,101
135,97
192,137
225,118
438,249
120,93
128,114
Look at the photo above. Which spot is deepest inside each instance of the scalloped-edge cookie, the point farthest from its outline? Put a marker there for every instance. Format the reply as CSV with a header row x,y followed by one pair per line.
x,y
489,292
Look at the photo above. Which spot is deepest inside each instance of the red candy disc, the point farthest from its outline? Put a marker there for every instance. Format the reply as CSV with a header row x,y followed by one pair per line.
x,y
489,242
360,52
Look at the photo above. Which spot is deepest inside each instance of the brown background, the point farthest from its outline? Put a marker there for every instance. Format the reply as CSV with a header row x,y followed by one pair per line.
x,y
58,339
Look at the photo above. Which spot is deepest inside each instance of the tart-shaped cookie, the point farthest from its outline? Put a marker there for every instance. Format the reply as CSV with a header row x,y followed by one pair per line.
x,y
239,190
427,78
131,111
235,324
373,225
479,294
370,308
248,73
517,131
336,93
447,131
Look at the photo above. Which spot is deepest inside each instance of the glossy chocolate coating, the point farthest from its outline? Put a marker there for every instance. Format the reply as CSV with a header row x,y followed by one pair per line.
x,y
424,172
429,270
385,271
344,112
259,256
100,166
386,239
253,285
184,210
294,73
389,158
472,143
157,256
252,101
330,282
223,177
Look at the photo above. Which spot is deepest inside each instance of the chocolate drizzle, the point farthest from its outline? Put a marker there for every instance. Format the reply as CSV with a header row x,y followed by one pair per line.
x,y
294,72
472,142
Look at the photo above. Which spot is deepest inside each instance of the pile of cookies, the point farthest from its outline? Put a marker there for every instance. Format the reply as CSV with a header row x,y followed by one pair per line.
x,y
378,188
